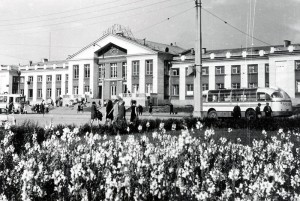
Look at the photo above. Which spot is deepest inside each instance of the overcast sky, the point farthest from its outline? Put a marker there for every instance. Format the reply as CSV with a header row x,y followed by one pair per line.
x,y
27,27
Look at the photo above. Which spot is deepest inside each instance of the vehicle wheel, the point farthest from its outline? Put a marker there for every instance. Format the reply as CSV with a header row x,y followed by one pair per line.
x,y
212,114
250,115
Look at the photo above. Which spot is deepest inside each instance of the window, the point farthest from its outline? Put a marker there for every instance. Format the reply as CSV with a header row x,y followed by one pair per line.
x,y
113,90
67,77
101,71
225,96
39,93
148,88
236,85
267,84
297,65
298,86
86,88
263,96
30,93
58,91
189,89
15,79
87,71
76,71
267,68
252,69
204,87
205,71
235,69
39,78
67,90
219,85
220,70
22,79
175,71
135,88
49,92
22,91
75,90
149,67
113,70
49,78
175,90
252,85
30,78
58,77
135,68
124,70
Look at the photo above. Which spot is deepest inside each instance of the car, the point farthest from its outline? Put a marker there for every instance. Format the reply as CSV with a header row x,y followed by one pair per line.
x,y
6,118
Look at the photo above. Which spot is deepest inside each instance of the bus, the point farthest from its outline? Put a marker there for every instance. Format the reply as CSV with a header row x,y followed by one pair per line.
x,y
220,103
18,101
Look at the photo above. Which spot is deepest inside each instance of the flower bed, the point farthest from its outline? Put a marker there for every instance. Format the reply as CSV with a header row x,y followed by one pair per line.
x,y
161,166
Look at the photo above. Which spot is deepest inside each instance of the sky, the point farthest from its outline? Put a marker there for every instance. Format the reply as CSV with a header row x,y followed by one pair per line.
x,y
31,30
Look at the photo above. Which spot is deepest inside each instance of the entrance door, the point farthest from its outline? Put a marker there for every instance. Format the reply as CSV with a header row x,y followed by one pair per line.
x,y
100,92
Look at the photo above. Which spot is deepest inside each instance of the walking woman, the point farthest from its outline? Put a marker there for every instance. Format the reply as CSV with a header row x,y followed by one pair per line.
x,y
109,111
133,112
93,112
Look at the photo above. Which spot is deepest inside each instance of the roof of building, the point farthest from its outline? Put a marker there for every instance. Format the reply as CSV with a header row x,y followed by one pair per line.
x,y
158,47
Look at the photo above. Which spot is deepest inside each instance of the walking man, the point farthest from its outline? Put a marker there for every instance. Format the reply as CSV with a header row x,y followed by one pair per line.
x,y
268,110
237,112
257,111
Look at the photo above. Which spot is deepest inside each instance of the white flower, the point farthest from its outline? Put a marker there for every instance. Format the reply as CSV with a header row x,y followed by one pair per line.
x,y
148,124
140,128
229,130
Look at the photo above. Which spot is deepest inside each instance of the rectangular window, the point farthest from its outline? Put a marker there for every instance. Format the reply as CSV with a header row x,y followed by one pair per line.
x,y
298,86
189,89
175,71
86,88
219,85
76,71
15,79
149,67
67,89
236,69
49,92
148,88
124,70
205,71
113,90
113,70
87,71
252,85
39,78
267,68
75,90
58,78
67,77
30,93
101,71
220,70
49,78
39,93
236,85
297,65
30,78
22,79
252,68
175,90
58,92
135,88
204,87
135,68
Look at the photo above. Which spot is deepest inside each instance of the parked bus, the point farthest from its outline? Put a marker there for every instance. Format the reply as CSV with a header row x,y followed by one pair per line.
x,y
220,103
18,101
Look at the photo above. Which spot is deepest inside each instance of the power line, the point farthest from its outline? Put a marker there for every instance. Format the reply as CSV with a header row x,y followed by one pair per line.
x,y
36,45
235,27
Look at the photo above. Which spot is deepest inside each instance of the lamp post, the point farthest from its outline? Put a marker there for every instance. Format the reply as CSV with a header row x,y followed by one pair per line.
x,y
198,106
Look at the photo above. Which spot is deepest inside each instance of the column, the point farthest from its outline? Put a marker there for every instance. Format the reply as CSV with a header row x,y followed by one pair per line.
x,y
261,75
244,76
81,80
182,88
212,77
34,88
44,87
53,87
63,83
142,77
227,78
26,86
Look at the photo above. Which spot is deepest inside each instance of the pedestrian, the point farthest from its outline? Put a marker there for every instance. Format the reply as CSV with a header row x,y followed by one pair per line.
x,y
116,110
122,111
93,112
257,111
140,109
109,111
133,112
171,108
236,112
150,108
268,110
42,107
10,107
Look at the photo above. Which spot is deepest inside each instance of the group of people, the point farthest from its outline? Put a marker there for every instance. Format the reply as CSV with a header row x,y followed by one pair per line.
x,y
40,108
267,110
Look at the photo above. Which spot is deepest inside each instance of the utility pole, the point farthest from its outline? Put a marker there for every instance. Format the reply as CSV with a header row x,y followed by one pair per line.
x,y
198,106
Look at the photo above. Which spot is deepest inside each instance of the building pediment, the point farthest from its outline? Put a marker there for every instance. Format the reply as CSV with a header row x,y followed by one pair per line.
x,y
111,50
